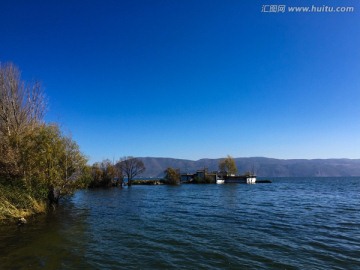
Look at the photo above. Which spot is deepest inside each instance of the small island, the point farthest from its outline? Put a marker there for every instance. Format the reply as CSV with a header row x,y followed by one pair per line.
x,y
227,174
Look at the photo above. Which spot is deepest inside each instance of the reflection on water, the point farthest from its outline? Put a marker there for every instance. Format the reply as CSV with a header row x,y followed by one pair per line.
x,y
290,224
54,241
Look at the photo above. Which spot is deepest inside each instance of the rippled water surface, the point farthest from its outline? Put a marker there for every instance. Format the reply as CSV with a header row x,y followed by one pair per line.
x,y
293,223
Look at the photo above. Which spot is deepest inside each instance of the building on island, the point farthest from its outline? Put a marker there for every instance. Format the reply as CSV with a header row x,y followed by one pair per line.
x,y
203,176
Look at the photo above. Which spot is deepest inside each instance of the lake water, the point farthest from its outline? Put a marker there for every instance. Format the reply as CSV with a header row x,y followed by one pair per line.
x,y
294,223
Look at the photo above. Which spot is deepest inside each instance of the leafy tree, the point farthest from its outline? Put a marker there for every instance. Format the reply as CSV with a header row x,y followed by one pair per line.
x,y
172,176
203,180
34,155
96,175
108,172
51,161
228,166
85,177
131,167
104,174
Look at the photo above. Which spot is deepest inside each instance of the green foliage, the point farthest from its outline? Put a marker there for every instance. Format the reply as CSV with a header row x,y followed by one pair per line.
x,y
172,176
103,174
49,159
203,180
209,180
35,157
15,203
151,182
198,180
85,177
228,165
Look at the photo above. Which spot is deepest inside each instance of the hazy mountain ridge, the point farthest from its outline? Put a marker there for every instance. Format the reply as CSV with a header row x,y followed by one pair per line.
x,y
263,167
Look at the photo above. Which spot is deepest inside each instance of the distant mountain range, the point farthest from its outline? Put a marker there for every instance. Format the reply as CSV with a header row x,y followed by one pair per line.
x,y
263,167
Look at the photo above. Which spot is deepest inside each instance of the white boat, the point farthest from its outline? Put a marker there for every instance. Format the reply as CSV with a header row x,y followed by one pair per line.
x,y
251,179
220,181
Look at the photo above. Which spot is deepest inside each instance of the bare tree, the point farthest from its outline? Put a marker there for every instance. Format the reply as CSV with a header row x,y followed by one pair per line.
x,y
131,167
33,153
22,107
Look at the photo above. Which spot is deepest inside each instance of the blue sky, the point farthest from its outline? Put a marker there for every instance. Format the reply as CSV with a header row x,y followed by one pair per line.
x,y
192,79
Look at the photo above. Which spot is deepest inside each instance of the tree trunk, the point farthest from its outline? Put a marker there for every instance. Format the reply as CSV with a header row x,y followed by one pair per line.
x,y
53,196
121,182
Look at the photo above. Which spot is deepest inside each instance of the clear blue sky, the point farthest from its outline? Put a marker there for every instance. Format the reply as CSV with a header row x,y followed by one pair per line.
x,y
192,79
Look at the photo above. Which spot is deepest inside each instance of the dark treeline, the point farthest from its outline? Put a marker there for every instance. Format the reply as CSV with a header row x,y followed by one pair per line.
x,y
107,173
112,174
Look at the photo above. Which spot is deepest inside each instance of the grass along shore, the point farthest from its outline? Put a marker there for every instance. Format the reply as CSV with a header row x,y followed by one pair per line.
x,y
16,203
